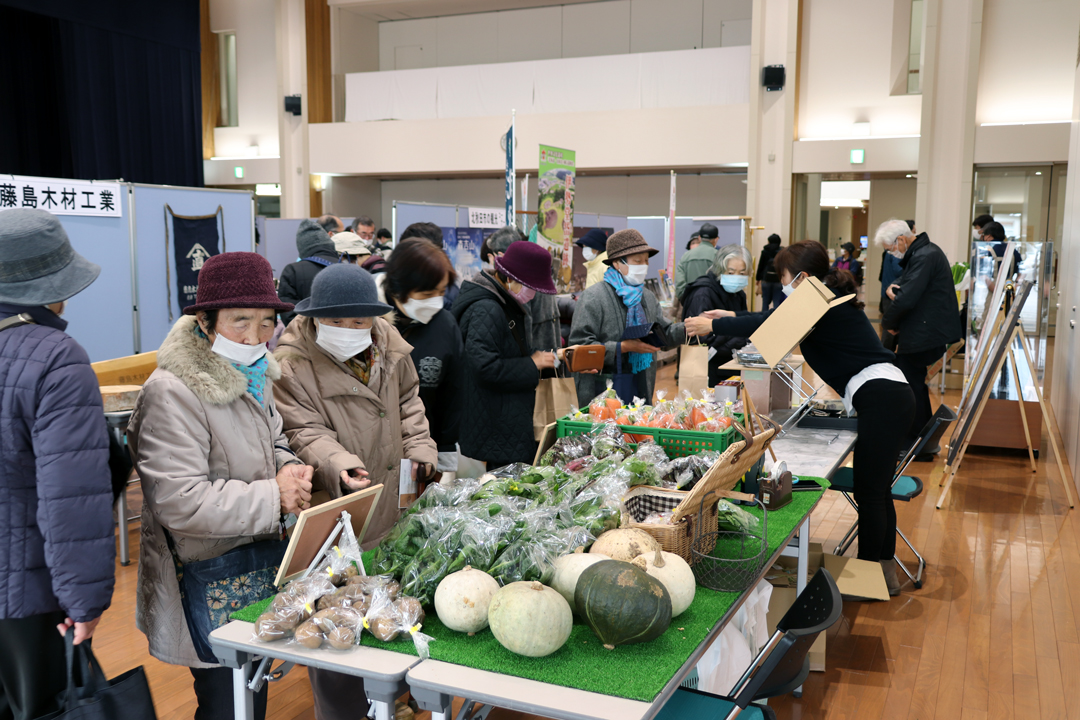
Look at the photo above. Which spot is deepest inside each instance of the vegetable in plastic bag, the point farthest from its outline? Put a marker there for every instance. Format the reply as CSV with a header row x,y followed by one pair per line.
x,y
734,518
605,406
567,449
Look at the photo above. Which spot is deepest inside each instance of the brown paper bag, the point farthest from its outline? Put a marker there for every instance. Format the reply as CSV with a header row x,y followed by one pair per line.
x,y
694,369
555,398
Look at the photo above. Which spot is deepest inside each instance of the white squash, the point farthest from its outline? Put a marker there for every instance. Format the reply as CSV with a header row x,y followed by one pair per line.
x,y
624,544
568,569
674,574
531,619
462,599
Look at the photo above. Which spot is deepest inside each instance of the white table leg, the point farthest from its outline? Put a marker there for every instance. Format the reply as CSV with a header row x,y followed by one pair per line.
x,y
382,710
804,555
804,565
122,527
438,716
243,699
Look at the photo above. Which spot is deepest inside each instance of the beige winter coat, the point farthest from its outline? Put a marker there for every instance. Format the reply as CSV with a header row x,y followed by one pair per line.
x,y
334,422
207,454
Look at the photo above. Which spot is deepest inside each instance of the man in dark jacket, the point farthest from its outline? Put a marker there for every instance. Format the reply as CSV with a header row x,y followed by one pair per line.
x,y
768,282
501,370
56,545
316,251
923,312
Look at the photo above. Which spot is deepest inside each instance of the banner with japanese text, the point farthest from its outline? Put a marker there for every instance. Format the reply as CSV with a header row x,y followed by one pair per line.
x,y
195,240
555,216
60,196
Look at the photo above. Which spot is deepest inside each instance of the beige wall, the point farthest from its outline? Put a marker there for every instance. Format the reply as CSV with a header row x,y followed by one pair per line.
x,y
1065,388
698,195
1025,66
845,71
611,27
253,21
627,139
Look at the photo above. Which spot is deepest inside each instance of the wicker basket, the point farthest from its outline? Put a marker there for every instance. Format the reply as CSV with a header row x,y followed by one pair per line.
x,y
678,535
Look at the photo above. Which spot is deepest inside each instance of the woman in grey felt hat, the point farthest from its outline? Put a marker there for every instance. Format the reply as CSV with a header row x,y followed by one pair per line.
x,y
350,397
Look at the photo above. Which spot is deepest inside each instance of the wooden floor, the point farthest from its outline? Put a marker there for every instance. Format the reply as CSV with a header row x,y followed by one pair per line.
x,y
993,633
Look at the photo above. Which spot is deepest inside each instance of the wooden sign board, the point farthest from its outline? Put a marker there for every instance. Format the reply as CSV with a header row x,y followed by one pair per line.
x,y
315,524
789,324
130,370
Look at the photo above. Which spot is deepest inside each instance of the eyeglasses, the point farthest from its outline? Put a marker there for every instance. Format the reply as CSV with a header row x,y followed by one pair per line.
x,y
367,235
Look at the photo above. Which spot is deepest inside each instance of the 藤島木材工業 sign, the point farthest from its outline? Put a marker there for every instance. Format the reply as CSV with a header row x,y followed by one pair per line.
x,y
60,196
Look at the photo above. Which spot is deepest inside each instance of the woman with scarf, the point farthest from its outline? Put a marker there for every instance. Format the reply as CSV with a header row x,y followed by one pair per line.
x,y
722,288
619,313
216,469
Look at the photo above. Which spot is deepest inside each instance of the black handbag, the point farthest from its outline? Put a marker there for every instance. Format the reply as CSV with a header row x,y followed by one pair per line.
x,y
213,589
90,696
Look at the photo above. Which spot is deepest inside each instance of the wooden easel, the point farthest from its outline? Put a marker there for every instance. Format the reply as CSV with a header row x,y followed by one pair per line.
x,y
1017,333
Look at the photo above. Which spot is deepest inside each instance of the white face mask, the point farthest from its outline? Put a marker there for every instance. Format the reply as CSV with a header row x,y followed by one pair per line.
x,y
423,310
897,254
790,287
236,352
589,254
975,235
342,343
635,274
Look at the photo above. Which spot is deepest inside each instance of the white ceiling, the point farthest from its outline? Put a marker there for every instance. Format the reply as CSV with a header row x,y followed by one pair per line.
x,y
404,9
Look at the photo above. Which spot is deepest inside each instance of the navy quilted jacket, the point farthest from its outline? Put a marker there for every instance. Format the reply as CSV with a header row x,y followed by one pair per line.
x,y
56,529
500,377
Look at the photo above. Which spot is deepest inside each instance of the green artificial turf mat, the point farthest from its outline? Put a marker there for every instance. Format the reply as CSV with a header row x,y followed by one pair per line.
x,y
638,672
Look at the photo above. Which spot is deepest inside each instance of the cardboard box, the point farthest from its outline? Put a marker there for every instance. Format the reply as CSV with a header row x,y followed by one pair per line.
x,y
790,323
857,579
785,570
781,600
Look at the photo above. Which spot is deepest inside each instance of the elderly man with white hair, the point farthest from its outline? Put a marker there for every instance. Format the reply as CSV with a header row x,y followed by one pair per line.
x,y
923,313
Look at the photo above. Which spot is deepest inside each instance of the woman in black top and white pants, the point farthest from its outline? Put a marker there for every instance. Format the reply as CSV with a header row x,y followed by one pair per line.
x,y
847,354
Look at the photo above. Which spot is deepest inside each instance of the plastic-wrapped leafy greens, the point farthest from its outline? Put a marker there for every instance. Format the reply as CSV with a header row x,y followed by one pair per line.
x,y
641,467
567,449
684,472
734,518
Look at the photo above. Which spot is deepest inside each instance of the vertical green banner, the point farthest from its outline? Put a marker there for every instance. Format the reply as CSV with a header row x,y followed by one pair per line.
x,y
555,219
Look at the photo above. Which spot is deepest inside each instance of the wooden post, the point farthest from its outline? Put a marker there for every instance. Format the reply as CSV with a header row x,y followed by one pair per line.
x,y
1066,479
1020,400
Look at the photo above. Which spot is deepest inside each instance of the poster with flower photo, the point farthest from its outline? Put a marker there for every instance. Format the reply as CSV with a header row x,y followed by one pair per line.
x,y
555,216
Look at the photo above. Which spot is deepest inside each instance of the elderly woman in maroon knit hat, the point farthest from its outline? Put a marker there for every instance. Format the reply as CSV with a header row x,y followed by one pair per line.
x,y
216,469
501,370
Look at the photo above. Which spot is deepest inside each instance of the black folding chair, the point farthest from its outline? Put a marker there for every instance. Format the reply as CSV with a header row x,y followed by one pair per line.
x,y
780,667
904,487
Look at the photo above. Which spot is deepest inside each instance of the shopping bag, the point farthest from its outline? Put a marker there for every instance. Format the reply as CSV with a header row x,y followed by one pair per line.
x,y
90,696
694,369
555,398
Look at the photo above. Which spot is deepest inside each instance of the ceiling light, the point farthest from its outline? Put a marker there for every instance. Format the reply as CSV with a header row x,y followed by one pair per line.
x,y
1038,173
908,175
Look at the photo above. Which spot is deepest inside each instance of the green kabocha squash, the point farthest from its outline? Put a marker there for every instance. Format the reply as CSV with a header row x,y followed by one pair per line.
x,y
622,604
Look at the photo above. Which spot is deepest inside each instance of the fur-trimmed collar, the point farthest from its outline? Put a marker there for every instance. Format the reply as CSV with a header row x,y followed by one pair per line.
x,y
211,377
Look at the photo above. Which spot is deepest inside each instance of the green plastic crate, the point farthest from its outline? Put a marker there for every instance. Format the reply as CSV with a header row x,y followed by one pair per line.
x,y
676,443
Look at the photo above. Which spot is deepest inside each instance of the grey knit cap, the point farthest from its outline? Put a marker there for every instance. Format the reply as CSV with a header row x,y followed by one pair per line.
x,y
343,291
37,263
311,239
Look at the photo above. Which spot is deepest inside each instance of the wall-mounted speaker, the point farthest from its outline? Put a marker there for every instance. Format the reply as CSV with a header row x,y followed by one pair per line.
x,y
292,104
772,77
